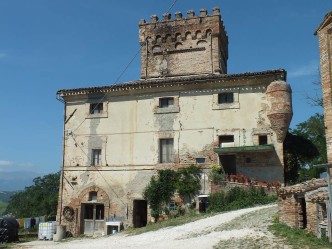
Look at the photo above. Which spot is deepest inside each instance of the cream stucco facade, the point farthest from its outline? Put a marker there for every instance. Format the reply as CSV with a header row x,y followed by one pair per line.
x,y
116,137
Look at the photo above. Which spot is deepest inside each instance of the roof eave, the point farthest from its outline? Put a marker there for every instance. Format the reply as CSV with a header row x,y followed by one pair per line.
x,y
326,20
141,84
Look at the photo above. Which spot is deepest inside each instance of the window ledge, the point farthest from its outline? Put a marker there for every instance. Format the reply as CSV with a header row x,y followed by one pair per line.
x,y
168,110
97,115
235,105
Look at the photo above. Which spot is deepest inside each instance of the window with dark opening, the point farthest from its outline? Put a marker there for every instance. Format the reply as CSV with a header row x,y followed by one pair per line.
x,y
166,102
96,108
88,212
96,157
224,98
92,196
262,139
99,212
166,150
200,159
226,139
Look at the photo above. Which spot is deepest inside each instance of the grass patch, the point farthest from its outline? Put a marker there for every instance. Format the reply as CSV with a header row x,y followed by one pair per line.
x,y
298,238
3,206
189,217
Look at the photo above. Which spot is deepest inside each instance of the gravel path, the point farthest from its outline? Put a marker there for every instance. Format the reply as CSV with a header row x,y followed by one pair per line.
x,y
245,228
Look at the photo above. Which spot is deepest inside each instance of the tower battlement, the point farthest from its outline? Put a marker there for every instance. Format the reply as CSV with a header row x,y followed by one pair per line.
x,y
183,46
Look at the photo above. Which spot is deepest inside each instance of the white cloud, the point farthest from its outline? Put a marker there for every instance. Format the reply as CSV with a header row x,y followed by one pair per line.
x,y
5,163
25,164
310,69
9,166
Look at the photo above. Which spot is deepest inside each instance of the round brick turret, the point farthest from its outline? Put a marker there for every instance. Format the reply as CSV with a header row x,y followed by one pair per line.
x,y
280,112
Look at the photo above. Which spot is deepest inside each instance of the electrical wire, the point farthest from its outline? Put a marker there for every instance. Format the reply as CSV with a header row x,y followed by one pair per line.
x,y
120,75
101,100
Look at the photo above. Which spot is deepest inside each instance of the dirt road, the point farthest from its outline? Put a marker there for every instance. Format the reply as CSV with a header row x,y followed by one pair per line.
x,y
245,228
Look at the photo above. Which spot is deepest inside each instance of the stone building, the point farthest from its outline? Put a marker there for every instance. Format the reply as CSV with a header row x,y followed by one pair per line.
x,y
304,206
324,33
184,110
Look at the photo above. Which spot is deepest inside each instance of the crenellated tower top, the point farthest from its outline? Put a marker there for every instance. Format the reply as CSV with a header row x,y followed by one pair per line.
x,y
183,46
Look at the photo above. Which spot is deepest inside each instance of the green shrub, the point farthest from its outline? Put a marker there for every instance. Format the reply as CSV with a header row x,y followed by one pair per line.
x,y
237,198
161,188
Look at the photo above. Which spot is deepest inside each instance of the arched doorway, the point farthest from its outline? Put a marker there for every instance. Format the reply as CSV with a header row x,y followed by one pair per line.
x,y
94,206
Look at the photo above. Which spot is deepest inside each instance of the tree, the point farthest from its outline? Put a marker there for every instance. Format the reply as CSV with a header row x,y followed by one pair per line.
x,y
304,147
160,190
188,181
314,130
39,199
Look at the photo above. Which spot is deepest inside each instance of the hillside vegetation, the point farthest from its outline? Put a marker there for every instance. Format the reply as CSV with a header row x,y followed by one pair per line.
x,y
3,206
5,195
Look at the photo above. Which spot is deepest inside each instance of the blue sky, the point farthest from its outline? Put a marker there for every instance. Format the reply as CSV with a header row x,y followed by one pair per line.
x,y
50,45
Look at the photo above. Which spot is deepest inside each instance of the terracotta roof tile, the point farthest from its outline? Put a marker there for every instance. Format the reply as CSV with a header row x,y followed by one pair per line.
x,y
318,195
303,187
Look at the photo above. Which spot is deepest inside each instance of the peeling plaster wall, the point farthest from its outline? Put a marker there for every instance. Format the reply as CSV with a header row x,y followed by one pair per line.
x,y
129,130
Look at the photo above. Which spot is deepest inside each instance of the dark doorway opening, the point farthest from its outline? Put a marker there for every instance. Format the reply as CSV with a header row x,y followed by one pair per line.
x,y
302,214
202,204
229,163
140,213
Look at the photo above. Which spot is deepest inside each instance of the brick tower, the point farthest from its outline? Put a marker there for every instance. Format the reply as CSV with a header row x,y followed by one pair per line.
x,y
183,46
324,33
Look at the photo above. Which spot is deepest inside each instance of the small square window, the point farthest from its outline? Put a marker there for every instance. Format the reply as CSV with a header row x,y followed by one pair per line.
x,y
166,150
225,98
92,196
96,157
226,139
96,108
166,102
262,139
172,206
200,159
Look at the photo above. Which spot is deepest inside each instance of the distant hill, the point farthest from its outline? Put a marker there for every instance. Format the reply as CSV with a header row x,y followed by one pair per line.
x,y
3,206
5,195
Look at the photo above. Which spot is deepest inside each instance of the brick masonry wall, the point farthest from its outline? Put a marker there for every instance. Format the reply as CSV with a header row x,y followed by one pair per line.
x,y
182,46
311,217
324,36
288,210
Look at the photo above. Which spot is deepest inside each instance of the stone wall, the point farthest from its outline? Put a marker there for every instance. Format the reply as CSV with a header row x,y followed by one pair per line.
x,y
288,209
311,217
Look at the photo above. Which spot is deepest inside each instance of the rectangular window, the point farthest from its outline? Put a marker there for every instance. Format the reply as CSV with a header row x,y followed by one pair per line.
x,y
262,139
96,108
96,157
172,206
166,150
226,139
200,159
166,102
92,196
225,98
